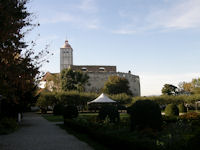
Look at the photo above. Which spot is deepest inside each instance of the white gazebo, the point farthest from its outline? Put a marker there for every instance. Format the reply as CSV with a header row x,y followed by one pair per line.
x,y
102,99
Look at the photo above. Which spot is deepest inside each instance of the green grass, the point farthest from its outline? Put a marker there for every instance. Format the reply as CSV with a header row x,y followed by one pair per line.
x,y
52,118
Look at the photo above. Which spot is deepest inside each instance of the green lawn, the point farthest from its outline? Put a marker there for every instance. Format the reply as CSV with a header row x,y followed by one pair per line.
x,y
52,118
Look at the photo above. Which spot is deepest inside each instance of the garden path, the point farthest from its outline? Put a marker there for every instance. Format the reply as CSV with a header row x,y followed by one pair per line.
x,y
37,133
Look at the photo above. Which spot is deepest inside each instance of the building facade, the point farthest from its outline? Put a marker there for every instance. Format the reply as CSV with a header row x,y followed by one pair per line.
x,y
98,75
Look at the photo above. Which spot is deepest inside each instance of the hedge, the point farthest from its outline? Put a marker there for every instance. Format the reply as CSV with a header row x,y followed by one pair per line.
x,y
164,99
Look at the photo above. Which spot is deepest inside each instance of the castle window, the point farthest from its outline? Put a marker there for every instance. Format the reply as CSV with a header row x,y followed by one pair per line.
x,y
101,69
83,69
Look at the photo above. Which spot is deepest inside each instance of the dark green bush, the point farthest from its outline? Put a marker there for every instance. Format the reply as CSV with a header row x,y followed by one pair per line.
x,y
58,109
109,111
182,108
70,112
145,114
171,110
8,125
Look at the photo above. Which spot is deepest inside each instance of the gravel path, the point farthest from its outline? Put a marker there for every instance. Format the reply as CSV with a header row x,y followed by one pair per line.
x,y
39,134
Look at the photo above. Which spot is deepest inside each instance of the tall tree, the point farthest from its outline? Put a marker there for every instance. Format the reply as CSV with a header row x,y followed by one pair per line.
x,y
117,85
192,87
73,80
18,62
169,89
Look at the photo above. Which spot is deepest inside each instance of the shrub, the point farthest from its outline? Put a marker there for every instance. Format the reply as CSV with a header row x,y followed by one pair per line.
x,y
109,111
191,116
58,109
171,110
46,99
8,125
182,108
70,112
145,114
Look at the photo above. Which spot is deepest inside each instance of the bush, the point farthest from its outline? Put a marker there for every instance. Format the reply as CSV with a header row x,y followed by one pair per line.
x,y
8,125
45,100
70,112
58,109
145,114
182,108
109,111
191,116
171,110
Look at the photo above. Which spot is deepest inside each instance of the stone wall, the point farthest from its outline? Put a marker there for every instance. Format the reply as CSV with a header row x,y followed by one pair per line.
x,y
97,80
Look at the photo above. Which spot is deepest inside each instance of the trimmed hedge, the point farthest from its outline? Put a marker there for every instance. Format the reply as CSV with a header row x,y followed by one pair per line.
x,y
58,109
165,99
171,110
70,112
182,108
116,141
109,111
145,114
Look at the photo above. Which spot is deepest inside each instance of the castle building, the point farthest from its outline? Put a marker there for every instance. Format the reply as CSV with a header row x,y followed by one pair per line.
x,y
98,75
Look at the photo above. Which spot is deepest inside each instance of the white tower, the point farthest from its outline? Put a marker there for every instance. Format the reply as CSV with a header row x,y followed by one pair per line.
x,y
66,56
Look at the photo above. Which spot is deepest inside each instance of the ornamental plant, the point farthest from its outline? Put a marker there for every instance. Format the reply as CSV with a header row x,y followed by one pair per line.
x,y
145,114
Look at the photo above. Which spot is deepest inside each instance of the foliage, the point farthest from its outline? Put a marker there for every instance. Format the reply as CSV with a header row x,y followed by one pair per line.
x,y
182,108
166,99
73,80
191,116
8,125
19,64
122,99
58,109
192,87
70,112
110,112
145,114
76,98
171,110
116,85
47,99
169,89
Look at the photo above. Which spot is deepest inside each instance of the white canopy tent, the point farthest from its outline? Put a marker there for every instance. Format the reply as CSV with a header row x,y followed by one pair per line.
x,y
102,99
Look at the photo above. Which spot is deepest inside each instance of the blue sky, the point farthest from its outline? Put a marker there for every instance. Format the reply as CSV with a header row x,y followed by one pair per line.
x,y
159,40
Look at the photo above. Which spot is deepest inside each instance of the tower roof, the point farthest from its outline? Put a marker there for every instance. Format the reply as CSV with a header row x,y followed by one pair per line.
x,y
66,45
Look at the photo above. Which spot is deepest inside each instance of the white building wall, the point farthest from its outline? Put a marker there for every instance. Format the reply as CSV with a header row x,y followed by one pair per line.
x,y
97,80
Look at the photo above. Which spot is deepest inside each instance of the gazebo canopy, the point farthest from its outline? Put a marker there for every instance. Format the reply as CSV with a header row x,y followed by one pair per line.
x,y
102,99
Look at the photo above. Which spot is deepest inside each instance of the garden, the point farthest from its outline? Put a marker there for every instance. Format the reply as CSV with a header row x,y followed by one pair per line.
x,y
142,127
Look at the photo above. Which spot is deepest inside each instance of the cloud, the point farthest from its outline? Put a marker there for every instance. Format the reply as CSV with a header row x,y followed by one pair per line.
x,y
151,84
84,15
58,17
124,31
177,15
183,15
88,5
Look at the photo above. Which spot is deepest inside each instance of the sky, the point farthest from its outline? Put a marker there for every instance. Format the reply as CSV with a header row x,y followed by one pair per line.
x,y
158,40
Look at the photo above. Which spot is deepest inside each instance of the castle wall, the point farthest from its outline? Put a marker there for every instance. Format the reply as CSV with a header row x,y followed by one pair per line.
x,y
97,80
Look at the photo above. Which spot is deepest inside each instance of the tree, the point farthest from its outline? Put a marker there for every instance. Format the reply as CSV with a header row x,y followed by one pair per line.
x,y
192,87
169,89
117,85
18,62
73,80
